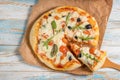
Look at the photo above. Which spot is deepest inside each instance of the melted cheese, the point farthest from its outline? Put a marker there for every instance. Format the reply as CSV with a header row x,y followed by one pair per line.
x,y
85,49
65,59
84,18
69,33
75,15
57,61
97,53
84,58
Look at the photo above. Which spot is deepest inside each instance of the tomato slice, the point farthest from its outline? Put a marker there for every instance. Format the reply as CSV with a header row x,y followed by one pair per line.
x,y
45,36
86,32
56,17
92,50
72,19
51,43
46,17
77,52
63,49
64,40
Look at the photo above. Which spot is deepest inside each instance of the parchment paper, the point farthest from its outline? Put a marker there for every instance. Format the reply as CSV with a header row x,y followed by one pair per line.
x,y
100,9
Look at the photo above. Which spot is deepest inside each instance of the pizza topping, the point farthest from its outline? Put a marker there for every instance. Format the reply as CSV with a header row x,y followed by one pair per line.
x,y
70,58
72,19
44,35
50,15
57,60
78,27
86,38
64,40
63,49
54,50
86,32
69,27
44,26
88,26
54,25
51,43
56,17
97,52
67,18
92,50
76,37
79,55
63,16
58,31
85,51
78,19
45,43
46,17
89,56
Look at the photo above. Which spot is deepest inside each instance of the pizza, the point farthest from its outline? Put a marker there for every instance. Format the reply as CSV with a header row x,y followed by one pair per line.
x,y
51,33
90,56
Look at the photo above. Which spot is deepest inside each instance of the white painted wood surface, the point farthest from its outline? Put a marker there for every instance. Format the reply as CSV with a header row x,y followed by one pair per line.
x,y
13,18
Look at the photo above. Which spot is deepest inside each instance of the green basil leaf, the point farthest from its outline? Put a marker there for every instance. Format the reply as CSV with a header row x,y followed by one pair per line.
x,y
67,18
89,56
78,27
86,38
54,25
45,43
44,26
54,50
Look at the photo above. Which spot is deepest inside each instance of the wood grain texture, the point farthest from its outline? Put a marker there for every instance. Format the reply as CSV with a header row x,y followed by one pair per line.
x,y
57,76
13,18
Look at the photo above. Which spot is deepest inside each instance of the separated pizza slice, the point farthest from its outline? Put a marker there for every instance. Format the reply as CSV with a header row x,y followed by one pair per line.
x,y
90,56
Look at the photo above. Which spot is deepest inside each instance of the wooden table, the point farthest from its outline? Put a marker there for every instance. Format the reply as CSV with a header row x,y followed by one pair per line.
x,y
13,17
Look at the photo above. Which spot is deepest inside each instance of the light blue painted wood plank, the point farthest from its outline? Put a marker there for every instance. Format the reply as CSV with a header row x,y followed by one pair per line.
x,y
8,48
11,39
58,76
11,11
32,2
114,15
113,53
24,2
116,3
12,26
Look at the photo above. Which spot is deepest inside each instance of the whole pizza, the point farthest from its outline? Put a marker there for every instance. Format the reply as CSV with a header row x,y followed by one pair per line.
x,y
65,38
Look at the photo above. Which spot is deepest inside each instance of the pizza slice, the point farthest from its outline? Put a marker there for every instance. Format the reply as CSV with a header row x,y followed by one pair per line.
x,y
90,56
